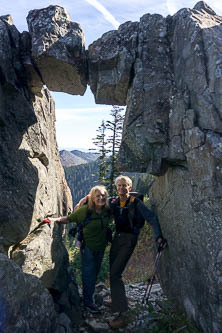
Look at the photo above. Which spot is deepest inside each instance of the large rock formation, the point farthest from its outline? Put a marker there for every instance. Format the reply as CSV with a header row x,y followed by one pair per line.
x,y
173,130
111,60
32,186
143,52
169,73
188,197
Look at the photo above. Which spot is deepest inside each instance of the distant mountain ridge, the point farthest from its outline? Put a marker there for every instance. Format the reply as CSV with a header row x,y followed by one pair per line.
x,y
90,157
76,157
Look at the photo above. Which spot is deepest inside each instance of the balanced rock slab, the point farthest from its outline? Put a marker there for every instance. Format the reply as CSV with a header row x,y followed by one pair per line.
x,y
111,59
58,49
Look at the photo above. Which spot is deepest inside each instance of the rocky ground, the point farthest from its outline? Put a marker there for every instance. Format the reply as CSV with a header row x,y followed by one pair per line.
x,y
140,316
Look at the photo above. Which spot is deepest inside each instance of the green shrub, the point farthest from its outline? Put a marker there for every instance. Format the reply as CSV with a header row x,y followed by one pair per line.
x,y
165,320
171,320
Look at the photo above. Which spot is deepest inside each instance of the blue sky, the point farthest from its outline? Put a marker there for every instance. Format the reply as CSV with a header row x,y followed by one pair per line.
x,y
78,117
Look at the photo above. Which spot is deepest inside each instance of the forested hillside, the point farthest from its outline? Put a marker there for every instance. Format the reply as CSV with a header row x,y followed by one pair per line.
x,y
81,178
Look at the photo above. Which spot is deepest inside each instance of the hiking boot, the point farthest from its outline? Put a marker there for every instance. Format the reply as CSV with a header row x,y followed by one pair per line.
x,y
92,308
120,321
108,302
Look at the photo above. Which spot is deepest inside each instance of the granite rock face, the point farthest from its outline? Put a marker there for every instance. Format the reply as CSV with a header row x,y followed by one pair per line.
x,y
32,186
111,60
31,310
173,130
188,196
137,56
58,51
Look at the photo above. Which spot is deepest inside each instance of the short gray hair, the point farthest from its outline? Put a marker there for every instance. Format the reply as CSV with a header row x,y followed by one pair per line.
x,y
124,178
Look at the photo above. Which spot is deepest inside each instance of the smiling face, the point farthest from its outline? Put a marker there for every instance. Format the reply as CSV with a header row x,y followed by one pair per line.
x,y
99,198
123,188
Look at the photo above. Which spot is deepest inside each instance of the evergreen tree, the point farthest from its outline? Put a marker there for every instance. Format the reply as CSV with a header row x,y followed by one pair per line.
x,y
115,126
101,143
108,147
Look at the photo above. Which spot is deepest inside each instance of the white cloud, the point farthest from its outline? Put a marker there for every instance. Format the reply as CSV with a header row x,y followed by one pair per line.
x,y
172,7
108,16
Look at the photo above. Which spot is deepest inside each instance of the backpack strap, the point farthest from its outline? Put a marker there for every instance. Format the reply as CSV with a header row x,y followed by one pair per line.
x,y
137,195
132,209
82,225
87,219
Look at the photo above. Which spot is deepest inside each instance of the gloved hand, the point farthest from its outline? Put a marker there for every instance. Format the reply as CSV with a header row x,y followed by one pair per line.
x,y
162,243
46,220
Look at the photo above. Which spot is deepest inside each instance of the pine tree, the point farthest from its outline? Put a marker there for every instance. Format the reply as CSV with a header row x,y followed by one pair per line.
x,y
109,147
115,126
100,142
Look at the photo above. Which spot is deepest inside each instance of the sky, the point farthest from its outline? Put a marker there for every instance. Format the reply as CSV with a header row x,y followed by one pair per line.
x,y
78,117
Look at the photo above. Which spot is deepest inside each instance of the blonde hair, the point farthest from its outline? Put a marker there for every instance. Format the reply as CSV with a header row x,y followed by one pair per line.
x,y
124,178
92,195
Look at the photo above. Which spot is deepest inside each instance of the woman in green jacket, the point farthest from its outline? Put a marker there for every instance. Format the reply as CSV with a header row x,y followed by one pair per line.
x,y
95,230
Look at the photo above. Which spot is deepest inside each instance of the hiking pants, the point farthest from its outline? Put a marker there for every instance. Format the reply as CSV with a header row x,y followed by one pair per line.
x,y
121,250
91,263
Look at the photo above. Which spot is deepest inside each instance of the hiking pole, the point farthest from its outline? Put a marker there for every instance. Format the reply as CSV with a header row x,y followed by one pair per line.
x,y
152,278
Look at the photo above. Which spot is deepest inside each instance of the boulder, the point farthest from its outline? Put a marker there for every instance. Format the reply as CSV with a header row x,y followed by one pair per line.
x,y
43,254
58,50
111,60
26,306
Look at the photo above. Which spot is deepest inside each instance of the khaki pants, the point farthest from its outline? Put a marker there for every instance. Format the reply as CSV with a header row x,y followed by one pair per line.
x,y
121,250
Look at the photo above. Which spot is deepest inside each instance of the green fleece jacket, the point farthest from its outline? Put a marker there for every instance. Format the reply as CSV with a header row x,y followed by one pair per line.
x,y
95,232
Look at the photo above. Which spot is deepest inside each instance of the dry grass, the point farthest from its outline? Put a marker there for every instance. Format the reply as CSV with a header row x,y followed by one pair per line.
x,y
140,264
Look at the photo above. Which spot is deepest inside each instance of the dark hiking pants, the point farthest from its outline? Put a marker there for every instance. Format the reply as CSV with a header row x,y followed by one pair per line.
x,y
91,263
121,250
